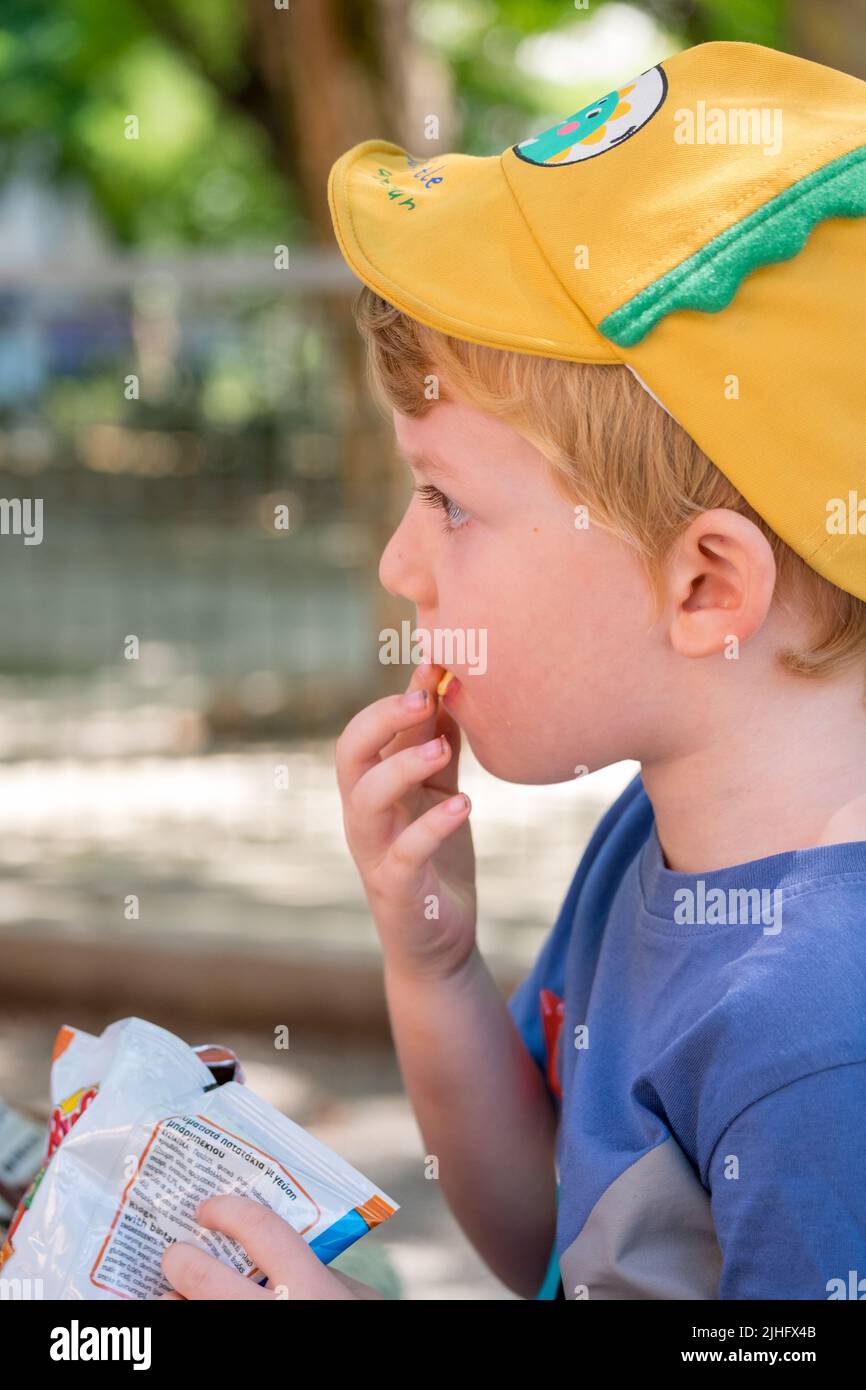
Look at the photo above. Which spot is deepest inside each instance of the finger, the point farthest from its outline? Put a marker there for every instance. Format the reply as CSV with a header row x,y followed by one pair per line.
x,y
385,783
407,858
424,677
361,743
198,1275
170,1298
276,1247
439,721
444,777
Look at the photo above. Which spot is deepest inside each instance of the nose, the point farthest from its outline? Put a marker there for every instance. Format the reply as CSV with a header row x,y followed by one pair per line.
x,y
404,569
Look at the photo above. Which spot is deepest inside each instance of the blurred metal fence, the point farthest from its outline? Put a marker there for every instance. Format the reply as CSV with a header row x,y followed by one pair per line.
x,y
206,462
165,649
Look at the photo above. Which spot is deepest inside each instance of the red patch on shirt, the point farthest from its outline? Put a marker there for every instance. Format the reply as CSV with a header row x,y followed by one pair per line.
x,y
552,1014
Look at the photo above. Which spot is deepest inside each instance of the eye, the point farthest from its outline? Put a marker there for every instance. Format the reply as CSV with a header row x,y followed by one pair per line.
x,y
454,516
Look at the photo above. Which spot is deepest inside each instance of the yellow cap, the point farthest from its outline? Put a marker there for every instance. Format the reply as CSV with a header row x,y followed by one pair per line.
x,y
704,224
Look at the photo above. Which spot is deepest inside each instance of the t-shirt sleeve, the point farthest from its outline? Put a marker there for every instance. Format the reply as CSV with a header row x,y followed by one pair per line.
x,y
787,1190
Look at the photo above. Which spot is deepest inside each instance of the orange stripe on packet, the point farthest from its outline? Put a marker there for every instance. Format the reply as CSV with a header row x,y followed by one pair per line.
x,y
375,1210
62,1041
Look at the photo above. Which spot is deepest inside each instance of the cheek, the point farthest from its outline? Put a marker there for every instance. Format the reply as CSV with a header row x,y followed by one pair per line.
x,y
507,598
562,641
555,626
467,591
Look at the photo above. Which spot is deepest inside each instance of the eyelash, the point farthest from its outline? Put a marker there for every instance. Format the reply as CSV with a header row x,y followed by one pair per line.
x,y
431,496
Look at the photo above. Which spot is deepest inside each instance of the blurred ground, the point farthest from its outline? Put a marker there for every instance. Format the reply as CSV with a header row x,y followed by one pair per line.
x,y
214,849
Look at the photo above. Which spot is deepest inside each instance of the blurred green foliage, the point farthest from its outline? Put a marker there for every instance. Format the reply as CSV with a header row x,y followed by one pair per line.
x,y
482,40
201,172
204,171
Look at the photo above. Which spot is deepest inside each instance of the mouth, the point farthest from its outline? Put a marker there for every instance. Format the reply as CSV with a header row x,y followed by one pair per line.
x,y
448,687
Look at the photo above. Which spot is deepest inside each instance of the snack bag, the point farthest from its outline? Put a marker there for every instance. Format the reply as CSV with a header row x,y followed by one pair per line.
x,y
141,1132
221,1062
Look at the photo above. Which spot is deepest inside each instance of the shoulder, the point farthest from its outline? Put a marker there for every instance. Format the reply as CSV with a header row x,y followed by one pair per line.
x,y
615,840
536,1003
631,807
623,827
620,831
790,1006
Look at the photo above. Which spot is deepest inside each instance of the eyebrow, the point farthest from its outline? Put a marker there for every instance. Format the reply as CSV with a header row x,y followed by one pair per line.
x,y
425,463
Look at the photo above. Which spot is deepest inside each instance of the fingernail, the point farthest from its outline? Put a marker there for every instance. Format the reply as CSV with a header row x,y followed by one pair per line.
x,y
434,749
415,699
458,804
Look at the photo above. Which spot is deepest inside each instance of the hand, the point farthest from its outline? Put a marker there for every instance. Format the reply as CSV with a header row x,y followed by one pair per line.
x,y
409,843
293,1269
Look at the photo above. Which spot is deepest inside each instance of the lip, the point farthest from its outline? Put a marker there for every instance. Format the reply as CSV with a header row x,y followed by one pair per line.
x,y
454,687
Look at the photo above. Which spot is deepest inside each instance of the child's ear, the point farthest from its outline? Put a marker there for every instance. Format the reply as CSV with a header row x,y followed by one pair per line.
x,y
722,574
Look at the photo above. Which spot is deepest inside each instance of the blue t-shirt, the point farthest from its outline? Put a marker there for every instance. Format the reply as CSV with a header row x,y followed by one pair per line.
x,y
704,1036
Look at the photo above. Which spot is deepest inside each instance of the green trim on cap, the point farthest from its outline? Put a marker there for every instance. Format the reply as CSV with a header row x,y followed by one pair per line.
x,y
709,279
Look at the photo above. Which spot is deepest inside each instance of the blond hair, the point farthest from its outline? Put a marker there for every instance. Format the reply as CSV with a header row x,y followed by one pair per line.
x,y
612,448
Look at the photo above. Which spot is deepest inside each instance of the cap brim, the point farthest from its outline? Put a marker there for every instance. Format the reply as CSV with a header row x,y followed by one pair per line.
x,y
455,254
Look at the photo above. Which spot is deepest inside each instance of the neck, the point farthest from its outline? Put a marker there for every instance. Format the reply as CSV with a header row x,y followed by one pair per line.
x,y
789,773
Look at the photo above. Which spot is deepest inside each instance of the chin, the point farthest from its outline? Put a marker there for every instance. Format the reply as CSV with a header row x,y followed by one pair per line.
x,y
508,765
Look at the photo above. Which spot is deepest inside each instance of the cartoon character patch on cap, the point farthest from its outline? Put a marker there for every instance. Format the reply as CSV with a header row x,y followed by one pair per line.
x,y
599,126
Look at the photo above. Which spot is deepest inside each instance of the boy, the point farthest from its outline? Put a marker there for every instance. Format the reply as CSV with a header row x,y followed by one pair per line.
x,y
625,361
709,1073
